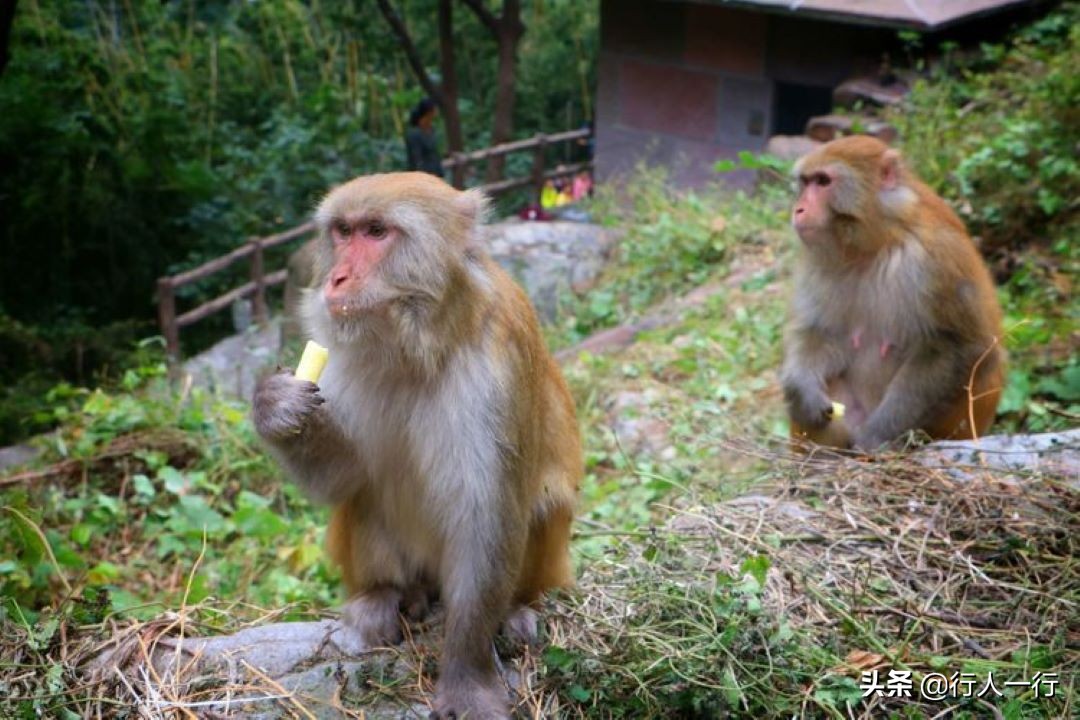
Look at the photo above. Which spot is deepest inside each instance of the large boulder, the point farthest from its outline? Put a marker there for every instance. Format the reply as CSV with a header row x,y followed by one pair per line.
x,y
232,365
550,258
791,147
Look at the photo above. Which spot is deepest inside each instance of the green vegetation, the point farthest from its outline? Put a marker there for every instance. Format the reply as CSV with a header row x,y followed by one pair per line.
x,y
144,140
152,500
996,134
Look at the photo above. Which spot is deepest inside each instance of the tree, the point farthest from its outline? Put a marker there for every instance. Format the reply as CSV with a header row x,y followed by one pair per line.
x,y
446,92
7,16
507,30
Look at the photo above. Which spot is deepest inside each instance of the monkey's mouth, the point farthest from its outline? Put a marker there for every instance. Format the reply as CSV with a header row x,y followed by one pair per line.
x,y
353,309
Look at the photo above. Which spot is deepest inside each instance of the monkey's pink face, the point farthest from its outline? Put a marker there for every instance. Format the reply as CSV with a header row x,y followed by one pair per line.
x,y
359,243
813,213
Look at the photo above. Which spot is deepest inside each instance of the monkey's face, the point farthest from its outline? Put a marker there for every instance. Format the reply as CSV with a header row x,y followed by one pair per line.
x,y
390,244
846,183
359,244
812,215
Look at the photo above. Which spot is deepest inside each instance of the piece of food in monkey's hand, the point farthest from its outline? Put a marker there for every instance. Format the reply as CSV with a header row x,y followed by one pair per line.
x,y
312,362
837,412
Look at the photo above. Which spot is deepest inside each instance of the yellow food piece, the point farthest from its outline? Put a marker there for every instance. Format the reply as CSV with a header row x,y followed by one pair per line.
x,y
837,410
312,362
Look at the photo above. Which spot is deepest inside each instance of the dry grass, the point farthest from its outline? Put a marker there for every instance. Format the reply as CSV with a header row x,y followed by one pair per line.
x,y
866,566
872,566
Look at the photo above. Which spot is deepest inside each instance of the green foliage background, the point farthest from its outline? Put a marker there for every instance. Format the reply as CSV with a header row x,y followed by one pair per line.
x,y
142,138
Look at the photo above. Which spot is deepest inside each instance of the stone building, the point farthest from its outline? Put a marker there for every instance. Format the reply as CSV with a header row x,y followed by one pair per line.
x,y
685,82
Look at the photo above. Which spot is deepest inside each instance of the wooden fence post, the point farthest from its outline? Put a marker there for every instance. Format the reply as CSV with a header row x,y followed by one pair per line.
x,y
538,165
457,174
258,277
167,320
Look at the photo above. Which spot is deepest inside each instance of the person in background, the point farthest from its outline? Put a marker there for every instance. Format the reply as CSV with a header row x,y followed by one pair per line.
x,y
581,186
421,150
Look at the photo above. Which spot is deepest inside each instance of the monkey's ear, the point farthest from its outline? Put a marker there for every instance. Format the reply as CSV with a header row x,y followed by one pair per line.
x,y
473,204
890,169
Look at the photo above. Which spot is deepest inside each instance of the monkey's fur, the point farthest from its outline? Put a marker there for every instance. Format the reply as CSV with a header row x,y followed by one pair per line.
x,y
441,430
893,311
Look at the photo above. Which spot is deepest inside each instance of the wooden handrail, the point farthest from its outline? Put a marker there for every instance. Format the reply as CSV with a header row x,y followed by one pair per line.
x,y
254,249
515,146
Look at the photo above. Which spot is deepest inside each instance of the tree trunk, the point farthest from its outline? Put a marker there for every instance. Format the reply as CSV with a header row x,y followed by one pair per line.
x,y
446,93
7,17
509,34
449,87
507,30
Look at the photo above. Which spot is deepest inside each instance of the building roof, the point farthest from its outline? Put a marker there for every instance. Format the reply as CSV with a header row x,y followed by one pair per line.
x,y
919,14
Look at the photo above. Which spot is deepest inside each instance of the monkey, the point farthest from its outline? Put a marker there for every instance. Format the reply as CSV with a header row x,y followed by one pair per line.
x,y
893,311
441,431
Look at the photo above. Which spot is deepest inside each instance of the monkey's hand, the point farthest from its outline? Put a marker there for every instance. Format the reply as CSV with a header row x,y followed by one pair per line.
x,y
808,406
283,406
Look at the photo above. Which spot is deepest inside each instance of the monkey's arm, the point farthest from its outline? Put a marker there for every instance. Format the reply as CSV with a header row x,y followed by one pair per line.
x,y
810,359
936,370
290,417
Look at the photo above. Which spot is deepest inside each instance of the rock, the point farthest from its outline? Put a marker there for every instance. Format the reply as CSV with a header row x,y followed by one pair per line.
x,y
868,89
635,426
829,127
269,671
549,258
16,455
769,505
790,147
1051,453
231,366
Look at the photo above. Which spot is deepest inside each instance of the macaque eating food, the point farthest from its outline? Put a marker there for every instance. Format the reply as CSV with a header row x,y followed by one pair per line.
x,y
441,430
893,313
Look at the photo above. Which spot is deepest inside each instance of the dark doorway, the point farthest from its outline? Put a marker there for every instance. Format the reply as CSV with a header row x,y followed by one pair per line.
x,y
795,104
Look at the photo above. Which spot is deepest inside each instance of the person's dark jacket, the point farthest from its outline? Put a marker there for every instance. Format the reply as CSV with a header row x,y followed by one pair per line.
x,y
421,152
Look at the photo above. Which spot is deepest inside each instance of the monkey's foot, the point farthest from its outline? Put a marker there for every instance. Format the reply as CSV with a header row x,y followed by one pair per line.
x,y
372,619
521,625
471,699
416,602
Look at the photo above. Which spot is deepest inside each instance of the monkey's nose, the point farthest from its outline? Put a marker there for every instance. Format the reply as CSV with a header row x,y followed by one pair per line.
x,y
337,279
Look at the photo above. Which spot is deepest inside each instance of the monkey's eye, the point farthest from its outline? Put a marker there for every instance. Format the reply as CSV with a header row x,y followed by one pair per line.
x,y
342,228
821,180
376,230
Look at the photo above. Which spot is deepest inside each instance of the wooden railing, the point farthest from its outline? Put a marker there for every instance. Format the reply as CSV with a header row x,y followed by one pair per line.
x,y
254,250
255,288
458,162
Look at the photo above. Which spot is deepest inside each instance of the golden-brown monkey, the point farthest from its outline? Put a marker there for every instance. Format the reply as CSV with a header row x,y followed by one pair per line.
x,y
893,312
441,429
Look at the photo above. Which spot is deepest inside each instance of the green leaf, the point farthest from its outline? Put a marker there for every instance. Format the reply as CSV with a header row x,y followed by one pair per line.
x,y
733,693
103,573
758,567
80,534
143,486
1064,386
1017,392
557,658
259,523
174,480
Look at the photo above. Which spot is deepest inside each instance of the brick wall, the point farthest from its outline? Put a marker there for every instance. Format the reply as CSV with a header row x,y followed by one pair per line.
x,y
683,84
